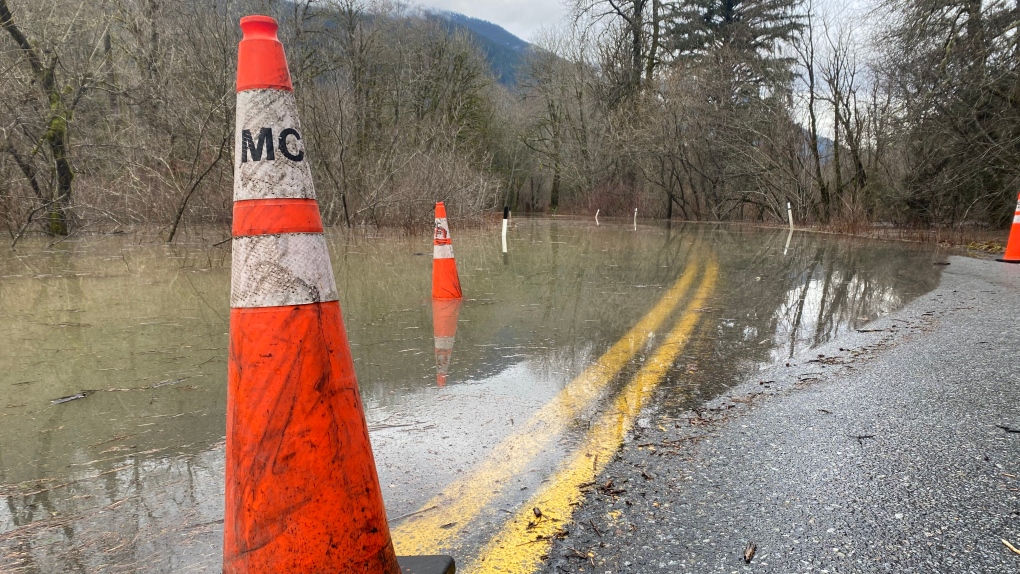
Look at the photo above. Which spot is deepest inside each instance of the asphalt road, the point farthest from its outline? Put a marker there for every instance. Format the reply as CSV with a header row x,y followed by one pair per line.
x,y
894,449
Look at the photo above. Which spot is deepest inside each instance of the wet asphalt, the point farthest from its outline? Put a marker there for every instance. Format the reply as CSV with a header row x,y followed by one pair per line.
x,y
892,449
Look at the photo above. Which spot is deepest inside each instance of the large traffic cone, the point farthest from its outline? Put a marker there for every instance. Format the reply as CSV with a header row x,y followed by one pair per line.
x,y
302,493
1013,245
445,282
445,313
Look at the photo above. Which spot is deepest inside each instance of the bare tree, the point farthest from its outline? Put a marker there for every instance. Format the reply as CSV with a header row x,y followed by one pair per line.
x,y
58,91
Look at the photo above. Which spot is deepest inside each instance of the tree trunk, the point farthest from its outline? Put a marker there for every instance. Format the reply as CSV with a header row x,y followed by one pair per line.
x,y
653,50
56,136
637,46
554,194
816,154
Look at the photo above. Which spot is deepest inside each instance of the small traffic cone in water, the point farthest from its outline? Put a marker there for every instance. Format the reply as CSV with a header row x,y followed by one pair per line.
x,y
445,313
1012,254
445,282
302,492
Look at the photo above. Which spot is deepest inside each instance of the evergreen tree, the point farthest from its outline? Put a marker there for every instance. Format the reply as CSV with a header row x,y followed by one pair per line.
x,y
736,81
743,39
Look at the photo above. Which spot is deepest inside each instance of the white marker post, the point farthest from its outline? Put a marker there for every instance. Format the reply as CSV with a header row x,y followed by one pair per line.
x,y
789,212
506,223
597,217
788,238
635,219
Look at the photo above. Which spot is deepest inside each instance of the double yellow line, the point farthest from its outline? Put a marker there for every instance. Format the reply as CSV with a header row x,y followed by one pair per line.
x,y
519,546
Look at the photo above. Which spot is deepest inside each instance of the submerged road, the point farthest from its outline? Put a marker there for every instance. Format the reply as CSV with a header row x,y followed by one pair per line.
x,y
893,449
523,541
587,340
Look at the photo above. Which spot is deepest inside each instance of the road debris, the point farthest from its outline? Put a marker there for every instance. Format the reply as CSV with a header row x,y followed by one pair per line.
x,y
1011,547
69,398
749,552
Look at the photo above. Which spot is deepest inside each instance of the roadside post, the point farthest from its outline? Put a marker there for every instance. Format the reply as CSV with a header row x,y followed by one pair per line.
x,y
506,222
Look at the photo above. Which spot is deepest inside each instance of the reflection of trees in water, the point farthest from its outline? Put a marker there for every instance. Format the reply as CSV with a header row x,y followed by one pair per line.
x,y
569,292
770,307
101,314
151,515
572,289
587,304
832,287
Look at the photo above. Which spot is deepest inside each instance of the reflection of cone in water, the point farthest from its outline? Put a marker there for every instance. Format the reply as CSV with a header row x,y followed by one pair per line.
x,y
445,282
1012,254
445,313
302,493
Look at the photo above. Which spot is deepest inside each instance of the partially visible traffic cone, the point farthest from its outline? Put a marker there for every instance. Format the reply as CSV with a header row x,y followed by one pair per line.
x,y
445,313
302,493
445,282
1013,245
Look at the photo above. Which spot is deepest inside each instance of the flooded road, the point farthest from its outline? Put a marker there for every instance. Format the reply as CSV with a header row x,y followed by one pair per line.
x,y
112,398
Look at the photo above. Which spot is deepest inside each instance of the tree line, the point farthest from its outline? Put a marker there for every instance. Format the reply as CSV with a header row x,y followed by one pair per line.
x,y
120,112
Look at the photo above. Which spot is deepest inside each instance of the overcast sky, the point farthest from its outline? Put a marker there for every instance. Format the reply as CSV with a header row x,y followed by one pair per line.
x,y
524,17
521,17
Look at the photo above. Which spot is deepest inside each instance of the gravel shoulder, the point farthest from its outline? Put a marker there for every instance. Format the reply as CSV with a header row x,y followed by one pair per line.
x,y
894,449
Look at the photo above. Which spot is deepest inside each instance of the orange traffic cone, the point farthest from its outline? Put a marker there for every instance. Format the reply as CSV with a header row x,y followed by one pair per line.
x,y
302,493
1013,245
445,282
445,313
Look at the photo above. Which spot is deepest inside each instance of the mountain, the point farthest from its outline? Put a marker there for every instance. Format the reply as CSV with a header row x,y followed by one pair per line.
x,y
503,50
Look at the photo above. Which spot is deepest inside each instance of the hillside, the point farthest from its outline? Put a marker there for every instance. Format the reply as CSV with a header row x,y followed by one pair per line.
x,y
503,50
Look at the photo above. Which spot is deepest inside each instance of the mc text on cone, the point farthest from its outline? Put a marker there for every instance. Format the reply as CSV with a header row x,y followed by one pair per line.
x,y
445,281
1012,254
302,492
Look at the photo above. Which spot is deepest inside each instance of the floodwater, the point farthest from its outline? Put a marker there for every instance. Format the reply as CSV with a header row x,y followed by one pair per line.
x,y
112,395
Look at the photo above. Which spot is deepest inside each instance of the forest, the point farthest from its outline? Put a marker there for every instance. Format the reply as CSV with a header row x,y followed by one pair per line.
x,y
118,114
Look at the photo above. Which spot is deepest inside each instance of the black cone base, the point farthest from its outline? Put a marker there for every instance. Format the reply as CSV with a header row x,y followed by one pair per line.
x,y
426,565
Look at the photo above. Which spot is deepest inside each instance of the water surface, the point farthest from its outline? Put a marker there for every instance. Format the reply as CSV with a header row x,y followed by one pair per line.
x,y
112,396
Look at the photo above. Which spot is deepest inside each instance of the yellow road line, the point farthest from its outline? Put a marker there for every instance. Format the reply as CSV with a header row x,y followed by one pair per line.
x,y
525,538
465,498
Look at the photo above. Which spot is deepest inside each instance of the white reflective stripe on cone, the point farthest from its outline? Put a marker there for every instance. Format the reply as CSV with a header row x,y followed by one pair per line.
x,y
272,170
444,343
280,270
442,252
1016,218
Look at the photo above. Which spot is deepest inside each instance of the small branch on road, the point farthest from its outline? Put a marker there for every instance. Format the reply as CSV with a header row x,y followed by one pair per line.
x,y
1010,546
862,438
